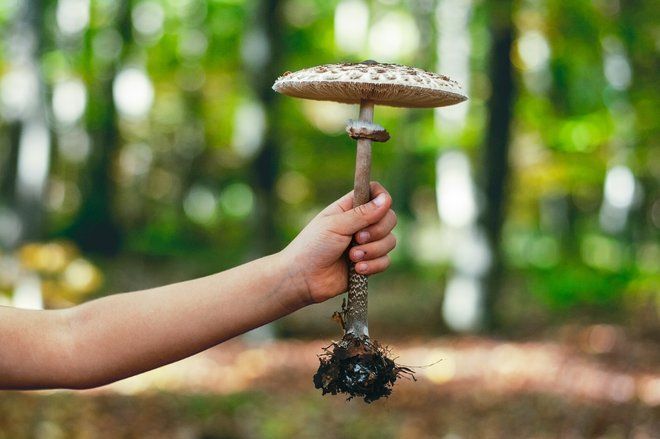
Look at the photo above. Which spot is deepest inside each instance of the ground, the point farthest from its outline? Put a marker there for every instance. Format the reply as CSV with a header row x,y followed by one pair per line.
x,y
591,382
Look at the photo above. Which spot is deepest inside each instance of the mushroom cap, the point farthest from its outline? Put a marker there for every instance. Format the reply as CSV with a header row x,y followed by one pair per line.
x,y
384,84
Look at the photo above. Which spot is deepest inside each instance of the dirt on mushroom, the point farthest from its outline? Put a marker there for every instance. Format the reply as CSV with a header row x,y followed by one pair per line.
x,y
359,367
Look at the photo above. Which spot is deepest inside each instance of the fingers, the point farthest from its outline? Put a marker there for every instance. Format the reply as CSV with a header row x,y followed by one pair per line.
x,y
371,224
345,203
361,217
373,266
371,254
376,189
377,231
373,250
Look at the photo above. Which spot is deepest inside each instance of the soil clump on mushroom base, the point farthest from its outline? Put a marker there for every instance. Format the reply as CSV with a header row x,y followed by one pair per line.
x,y
358,367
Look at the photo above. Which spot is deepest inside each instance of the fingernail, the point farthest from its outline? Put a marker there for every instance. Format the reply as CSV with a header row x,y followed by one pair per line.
x,y
380,200
361,267
358,255
363,236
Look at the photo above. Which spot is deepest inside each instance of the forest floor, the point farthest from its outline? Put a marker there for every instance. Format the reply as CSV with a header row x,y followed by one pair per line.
x,y
590,382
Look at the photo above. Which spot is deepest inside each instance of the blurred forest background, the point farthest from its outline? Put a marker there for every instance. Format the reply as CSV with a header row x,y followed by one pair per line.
x,y
141,143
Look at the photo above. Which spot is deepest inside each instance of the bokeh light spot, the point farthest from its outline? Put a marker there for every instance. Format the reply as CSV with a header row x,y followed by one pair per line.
x,y
237,200
133,93
69,100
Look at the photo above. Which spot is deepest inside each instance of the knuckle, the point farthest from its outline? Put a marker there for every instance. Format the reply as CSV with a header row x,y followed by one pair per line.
x,y
381,264
395,219
393,242
362,210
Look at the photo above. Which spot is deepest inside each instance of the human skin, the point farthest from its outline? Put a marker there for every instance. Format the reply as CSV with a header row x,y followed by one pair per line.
x,y
121,335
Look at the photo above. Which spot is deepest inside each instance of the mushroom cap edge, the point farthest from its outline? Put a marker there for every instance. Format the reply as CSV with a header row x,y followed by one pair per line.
x,y
384,84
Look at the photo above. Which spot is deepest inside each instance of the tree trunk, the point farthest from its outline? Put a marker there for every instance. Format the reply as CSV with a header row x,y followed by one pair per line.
x,y
32,150
95,227
495,164
262,71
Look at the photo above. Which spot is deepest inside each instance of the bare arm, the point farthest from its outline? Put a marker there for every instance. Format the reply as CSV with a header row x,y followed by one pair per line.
x,y
125,334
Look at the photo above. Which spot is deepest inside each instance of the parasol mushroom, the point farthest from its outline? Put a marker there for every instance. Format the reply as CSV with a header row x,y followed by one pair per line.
x,y
357,365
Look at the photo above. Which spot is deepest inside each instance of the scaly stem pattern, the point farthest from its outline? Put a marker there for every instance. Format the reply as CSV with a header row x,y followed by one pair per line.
x,y
355,316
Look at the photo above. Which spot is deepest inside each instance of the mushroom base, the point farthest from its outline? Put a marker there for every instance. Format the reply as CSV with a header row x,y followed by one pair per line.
x,y
358,367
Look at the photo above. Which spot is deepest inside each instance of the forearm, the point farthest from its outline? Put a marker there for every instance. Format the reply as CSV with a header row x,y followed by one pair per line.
x,y
125,334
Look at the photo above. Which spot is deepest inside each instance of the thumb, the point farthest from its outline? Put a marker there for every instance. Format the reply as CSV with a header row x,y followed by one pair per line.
x,y
356,219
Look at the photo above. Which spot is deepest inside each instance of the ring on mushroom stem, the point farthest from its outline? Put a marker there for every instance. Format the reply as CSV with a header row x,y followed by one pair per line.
x,y
360,129
357,365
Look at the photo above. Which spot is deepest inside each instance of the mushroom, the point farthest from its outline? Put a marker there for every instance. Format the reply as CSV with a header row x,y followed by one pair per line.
x,y
358,365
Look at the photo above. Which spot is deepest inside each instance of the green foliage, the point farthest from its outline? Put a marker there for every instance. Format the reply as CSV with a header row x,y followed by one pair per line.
x,y
173,182
579,287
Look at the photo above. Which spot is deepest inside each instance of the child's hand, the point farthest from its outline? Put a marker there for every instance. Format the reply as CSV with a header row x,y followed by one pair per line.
x,y
316,257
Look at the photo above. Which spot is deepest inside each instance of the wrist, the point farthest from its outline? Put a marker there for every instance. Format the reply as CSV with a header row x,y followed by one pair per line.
x,y
293,286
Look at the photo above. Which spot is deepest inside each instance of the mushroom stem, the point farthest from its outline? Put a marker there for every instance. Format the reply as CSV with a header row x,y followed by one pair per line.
x,y
355,315
363,159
